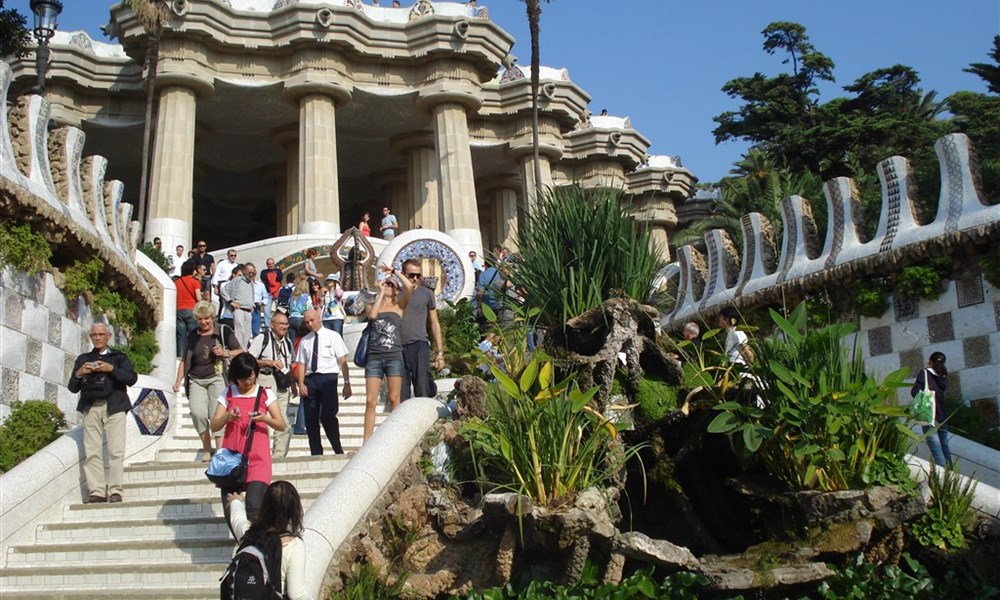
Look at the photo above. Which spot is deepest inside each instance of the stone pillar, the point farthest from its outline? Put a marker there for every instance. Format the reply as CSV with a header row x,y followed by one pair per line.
x,y
318,178
287,198
658,237
422,190
504,205
529,189
171,201
396,194
458,189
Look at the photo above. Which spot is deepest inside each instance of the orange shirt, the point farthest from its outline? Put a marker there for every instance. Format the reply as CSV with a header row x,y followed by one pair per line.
x,y
186,287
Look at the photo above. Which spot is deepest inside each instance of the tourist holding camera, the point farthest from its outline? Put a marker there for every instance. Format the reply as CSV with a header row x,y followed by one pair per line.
x,y
273,351
102,377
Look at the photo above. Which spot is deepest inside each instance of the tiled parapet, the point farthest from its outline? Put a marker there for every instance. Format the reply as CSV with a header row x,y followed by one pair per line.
x,y
962,217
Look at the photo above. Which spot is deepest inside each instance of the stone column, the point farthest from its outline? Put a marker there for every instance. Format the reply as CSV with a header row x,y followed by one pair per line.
x,y
287,198
458,188
504,204
529,190
171,201
396,194
318,178
422,190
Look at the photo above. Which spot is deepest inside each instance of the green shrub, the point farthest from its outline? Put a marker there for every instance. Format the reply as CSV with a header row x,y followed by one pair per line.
x,y
870,299
119,310
990,264
655,399
918,282
31,426
458,329
578,248
970,423
23,249
641,584
817,420
156,256
950,513
82,277
141,350
368,584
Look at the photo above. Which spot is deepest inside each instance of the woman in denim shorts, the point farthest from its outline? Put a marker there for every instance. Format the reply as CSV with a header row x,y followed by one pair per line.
x,y
385,347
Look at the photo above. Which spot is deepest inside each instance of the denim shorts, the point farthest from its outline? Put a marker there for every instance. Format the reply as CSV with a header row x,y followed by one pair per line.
x,y
384,367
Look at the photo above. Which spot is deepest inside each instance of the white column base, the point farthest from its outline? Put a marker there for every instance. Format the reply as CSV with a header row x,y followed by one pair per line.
x,y
172,232
319,228
471,239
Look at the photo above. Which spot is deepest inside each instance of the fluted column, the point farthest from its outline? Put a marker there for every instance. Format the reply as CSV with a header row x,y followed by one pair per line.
x,y
287,197
171,200
395,190
422,193
504,204
530,190
658,238
458,189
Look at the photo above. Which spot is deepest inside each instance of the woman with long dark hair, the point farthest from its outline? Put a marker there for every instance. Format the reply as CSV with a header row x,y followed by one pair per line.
x,y
245,402
280,513
936,377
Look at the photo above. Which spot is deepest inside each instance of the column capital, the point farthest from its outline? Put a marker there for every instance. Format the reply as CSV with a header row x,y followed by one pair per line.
x,y
405,142
309,82
385,178
285,135
203,88
453,93
503,181
547,148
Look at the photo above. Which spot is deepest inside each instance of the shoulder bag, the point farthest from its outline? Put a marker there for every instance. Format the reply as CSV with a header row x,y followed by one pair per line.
x,y
361,352
228,468
924,404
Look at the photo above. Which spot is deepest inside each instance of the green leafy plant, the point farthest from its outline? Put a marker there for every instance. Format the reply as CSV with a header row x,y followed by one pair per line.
x,y
655,399
156,256
368,584
399,536
31,425
817,419
119,310
918,282
950,513
641,584
990,264
970,423
23,249
541,438
870,299
141,350
578,248
459,330
82,277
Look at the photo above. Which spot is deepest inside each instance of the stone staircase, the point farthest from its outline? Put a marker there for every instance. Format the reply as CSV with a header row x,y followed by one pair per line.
x,y
168,539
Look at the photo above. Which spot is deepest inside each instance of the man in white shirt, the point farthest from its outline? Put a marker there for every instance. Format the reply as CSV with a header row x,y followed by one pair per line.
x,y
176,262
322,356
224,270
273,351
238,296
260,299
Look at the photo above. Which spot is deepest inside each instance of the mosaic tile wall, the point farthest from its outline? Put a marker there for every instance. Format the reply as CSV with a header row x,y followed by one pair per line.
x,y
963,323
41,335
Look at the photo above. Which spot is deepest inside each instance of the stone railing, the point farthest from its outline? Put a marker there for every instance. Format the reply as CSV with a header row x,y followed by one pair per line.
x,y
45,179
767,273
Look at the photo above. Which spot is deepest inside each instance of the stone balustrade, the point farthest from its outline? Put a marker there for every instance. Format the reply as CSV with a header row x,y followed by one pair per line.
x,y
767,272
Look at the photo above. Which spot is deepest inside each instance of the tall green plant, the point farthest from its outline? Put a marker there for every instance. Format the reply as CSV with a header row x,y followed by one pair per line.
x,y
541,438
819,421
579,248
950,513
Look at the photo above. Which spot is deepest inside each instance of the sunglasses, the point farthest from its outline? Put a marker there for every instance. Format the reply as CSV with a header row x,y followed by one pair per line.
x,y
203,245
414,275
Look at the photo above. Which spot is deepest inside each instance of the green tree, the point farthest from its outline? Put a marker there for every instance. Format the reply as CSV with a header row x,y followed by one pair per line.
x,y
987,72
14,34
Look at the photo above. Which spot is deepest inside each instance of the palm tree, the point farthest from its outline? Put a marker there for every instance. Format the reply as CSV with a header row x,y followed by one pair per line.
x,y
151,14
534,16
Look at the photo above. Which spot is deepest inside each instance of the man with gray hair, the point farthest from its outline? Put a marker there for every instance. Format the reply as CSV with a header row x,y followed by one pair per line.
x,y
692,332
102,377
239,295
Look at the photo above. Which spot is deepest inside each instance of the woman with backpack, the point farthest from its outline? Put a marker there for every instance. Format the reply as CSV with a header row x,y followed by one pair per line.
x,y
279,519
244,407
201,372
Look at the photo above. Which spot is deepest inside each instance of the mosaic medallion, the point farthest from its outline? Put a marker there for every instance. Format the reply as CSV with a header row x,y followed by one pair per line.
x,y
151,412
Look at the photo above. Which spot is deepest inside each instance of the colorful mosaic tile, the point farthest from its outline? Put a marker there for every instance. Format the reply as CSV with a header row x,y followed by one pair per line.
x,y
151,412
940,328
969,291
977,351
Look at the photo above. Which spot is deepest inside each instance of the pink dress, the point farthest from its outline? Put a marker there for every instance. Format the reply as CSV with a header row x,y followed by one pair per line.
x,y
235,437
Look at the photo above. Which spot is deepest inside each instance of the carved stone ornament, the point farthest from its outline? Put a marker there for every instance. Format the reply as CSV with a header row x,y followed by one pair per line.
x,y
354,254
180,7
421,9
324,17
513,73
82,40
283,4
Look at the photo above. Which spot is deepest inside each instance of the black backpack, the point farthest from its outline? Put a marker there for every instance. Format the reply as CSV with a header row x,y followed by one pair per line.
x,y
285,295
255,571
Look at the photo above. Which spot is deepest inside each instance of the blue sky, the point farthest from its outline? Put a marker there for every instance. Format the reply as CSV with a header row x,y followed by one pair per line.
x,y
663,62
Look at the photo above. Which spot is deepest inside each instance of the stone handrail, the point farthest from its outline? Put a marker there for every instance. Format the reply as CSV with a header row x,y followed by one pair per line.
x,y
43,176
706,283
347,500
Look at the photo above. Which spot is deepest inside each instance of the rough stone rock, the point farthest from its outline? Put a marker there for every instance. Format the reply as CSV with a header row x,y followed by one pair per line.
x,y
429,585
423,550
505,553
506,505
470,397
411,506
642,547
730,574
886,507
449,514
796,574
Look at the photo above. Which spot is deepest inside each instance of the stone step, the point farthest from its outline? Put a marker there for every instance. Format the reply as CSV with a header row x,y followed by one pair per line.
x,y
188,438
155,508
124,576
132,529
298,448
166,592
167,489
158,471
216,548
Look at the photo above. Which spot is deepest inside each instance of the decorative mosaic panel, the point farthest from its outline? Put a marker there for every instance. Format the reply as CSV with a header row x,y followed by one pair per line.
x,y
894,202
977,351
969,291
13,309
879,341
51,392
55,329
913,360
11,385
33,364
904,309
955,169
451,264
940,328
151,412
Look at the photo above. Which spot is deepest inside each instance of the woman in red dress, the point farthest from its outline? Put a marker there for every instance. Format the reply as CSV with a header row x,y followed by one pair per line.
x,y
236,409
